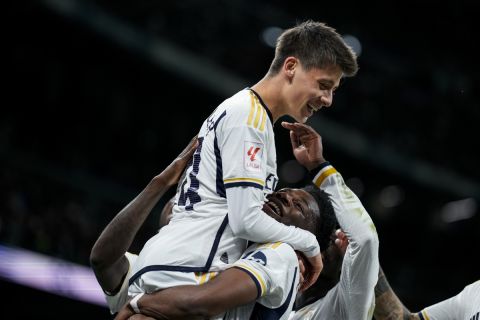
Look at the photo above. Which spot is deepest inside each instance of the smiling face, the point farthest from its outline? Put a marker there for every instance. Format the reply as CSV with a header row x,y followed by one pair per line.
x,y
309,90
293,207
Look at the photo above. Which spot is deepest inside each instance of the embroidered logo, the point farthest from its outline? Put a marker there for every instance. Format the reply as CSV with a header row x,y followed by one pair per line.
x,y
259,258
253,152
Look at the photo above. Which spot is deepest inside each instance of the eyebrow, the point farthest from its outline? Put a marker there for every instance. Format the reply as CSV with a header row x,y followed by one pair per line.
x,y
305,203
328,82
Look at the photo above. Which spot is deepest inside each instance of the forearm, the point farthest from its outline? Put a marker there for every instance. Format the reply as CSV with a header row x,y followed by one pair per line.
x,y
387,305
120,232
349,210
173,303
249,222
231,288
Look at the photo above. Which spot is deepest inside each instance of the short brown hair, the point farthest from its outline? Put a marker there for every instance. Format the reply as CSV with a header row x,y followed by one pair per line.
x,y
316,45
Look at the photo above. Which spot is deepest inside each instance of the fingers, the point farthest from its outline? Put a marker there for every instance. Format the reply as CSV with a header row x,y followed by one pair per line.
x,y
341,241
299,128
294,140
315,267
187,153
302,265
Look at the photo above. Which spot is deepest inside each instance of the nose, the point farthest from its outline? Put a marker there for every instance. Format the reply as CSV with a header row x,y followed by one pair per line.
x,y
327,98
285,197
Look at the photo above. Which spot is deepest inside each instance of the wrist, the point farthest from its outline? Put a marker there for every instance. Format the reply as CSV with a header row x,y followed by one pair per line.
x,y
134,302
317,166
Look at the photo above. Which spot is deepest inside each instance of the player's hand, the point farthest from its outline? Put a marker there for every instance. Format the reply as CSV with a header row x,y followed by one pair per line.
x,y
341,241
125,313
173,172
306,143
315,266
302,263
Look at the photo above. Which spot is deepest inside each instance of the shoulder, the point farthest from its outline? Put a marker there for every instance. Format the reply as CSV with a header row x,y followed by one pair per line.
x,y
244,109
278,252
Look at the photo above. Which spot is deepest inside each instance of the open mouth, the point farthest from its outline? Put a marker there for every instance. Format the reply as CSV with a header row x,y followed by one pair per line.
x,y
313,108
272,208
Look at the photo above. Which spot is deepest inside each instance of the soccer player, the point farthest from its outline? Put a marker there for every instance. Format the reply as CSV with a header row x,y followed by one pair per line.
x,y
463,306
218,204
345,289
110,261
267,273
338,294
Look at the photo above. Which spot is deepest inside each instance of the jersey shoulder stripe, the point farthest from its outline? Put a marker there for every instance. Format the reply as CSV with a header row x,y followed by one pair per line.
x,y
326,170
257,116
247,182
256,277
423,315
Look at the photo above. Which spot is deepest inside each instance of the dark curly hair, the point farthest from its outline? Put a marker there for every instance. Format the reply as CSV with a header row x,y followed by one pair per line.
x,y
328,223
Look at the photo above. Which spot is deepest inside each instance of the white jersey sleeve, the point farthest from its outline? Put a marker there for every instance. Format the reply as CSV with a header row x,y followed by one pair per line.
x,y
353,297
248,157
274,269
248,221
117,301
464,306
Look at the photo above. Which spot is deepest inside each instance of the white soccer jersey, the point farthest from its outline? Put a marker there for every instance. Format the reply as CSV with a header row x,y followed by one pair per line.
x,y
464,306
116,302
353,297
219,201
274,269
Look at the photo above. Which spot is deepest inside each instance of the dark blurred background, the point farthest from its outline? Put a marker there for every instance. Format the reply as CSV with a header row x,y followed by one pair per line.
x,y
100,96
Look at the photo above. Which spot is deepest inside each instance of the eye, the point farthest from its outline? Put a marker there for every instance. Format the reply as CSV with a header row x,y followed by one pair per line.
x,y
323,86
298,206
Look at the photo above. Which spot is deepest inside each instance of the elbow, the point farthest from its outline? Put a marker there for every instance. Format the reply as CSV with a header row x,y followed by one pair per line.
x,y
369,244
239,230
96,259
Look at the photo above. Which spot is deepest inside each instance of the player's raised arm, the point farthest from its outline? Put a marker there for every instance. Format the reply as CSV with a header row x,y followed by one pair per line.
x,y
107,257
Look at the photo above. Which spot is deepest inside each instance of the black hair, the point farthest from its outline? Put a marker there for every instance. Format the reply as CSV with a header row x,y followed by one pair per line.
x,y
326,227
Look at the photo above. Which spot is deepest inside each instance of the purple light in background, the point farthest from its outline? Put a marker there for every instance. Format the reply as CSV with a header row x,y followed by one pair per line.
x,y
50,274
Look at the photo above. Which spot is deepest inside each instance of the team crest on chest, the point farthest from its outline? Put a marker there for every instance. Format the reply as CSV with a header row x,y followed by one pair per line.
x,y
252,156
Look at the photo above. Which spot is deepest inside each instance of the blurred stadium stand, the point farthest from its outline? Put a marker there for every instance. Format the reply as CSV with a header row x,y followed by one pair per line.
x,y
101,95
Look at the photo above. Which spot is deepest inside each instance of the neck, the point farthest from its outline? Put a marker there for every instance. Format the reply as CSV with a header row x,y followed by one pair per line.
x,y
270,89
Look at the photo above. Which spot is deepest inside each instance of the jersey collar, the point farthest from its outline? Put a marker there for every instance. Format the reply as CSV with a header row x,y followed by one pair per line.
x,y
263,105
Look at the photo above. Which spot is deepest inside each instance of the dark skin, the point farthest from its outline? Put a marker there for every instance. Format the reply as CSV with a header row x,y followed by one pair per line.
x,y
330,276
107,256
387,304
232,287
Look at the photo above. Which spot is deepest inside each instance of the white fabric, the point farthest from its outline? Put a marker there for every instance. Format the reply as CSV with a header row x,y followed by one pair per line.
x,y
353,297
116,302
275,268
236,157
463,306
134,302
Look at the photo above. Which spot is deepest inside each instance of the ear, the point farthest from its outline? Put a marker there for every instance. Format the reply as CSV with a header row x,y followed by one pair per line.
x,y
289,66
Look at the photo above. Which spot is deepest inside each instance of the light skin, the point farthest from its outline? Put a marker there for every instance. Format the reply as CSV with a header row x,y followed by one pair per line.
x,y
107,257
232,287
298,92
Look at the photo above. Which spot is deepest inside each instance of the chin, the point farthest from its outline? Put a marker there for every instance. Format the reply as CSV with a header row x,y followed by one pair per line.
x,y
303,119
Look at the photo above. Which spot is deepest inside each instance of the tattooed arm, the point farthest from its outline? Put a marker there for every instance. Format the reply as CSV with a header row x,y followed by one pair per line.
x,y
387,305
